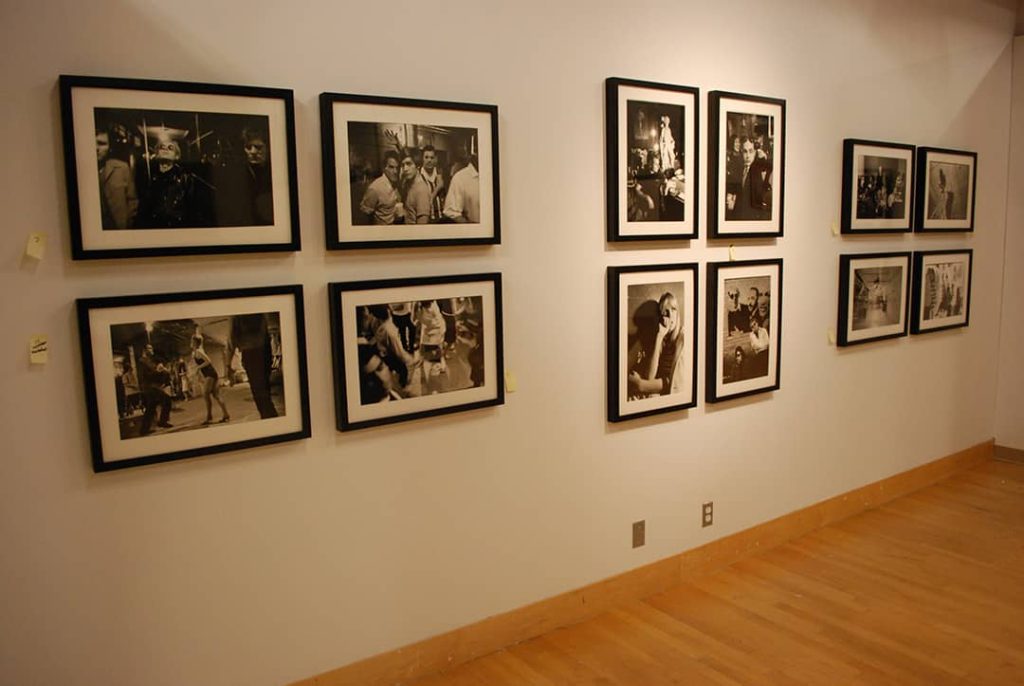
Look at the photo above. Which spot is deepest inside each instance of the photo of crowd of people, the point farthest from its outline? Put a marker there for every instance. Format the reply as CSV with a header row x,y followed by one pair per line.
x,y
749,165
878,297
944,290
655,145
948,190
881,187
655,363
746,338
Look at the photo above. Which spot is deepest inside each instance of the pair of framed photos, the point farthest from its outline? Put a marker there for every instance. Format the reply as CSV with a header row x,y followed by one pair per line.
x,y
897,188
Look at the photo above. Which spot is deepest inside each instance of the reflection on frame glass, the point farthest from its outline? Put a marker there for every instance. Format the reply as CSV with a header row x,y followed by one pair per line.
x,y
942,290
878,184
945,189
873,296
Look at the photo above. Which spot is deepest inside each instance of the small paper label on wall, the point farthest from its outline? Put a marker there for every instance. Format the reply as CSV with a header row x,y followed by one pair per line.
x,y
510,381
36,246
38,349
831,336
835,228
732,253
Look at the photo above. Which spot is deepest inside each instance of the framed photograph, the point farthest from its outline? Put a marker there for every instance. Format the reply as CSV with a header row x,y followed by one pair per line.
x,y
411,348
945,189
168,168
652,340
651,157
874,292
401,172
177,375
941,298
878,183
744,328
746,165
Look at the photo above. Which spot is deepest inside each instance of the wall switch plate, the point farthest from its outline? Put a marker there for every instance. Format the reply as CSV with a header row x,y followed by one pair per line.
x,y
639,533
707,514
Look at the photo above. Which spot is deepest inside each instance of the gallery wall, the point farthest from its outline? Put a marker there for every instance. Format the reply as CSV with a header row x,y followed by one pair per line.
x,y
273,564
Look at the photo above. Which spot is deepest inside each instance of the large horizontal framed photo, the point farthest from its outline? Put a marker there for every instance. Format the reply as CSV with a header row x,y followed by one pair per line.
x,y
874,293
177,375
401,172
652,344
410,348
744,328
167,168
941,297
946,181
878,184
746,165
651,157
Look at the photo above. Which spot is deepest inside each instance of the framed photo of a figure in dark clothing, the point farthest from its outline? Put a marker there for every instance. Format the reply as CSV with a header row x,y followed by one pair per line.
x,y
941,295
400,172
167,168
878,187
651,160
746,165
652,340
946,181
412,348
177,375
874,292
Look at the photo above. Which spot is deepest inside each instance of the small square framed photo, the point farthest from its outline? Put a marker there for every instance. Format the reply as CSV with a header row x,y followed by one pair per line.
x,y
744,328
167,168
651,157
652,340
746,165
946,181
410,348
941,297
874,292
401,172
878,185
177,375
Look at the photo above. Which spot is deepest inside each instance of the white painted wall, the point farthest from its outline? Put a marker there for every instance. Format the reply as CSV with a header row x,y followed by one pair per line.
x,y
273,564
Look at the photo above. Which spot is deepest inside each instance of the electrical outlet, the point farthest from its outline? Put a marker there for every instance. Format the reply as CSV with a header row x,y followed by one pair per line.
x,y
639,533
707,514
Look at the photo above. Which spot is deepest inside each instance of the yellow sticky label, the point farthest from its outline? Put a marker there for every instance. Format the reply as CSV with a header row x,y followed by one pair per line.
x,y
510,381
835,228
36,246
732,253
38,349
831,336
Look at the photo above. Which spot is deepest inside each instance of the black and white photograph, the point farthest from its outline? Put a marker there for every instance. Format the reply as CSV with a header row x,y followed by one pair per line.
x,y
409,348
874,291
651,157
942,290
401,172
652,351
743,334
163,168
878,184
945,190
177,375
746,165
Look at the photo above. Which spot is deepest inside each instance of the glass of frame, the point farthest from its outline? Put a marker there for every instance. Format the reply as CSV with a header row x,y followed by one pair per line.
x,y
874,292
410,348
941,297
877,187
652,340
746,165
743,329
401,172
169,168
945,190
651,157
177,375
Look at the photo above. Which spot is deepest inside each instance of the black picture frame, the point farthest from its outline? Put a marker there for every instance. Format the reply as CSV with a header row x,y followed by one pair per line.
x,y
636,349
874,297
261,330
878,187
384,372
187,168
941,295
358,131
666,119
746,201
730,375
945,190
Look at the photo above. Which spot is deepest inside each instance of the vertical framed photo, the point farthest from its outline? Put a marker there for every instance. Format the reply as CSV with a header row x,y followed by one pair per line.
x,y
746,165
168,168
744,328
411,348
652,340
177,375
651,157
941,297
945,189
874,293
878,185
401,172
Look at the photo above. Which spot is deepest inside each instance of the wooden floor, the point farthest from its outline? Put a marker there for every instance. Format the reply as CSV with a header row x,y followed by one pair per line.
x,y
928,589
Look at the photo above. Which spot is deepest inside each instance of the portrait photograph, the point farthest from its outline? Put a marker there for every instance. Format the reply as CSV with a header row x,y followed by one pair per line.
x,y
945,189
401,172
878,187
942,290
164,168
652,351
183,374
874,291
651,157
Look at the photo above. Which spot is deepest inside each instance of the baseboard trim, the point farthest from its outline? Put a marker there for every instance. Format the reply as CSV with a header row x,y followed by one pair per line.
x,y
1007,454
446,650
